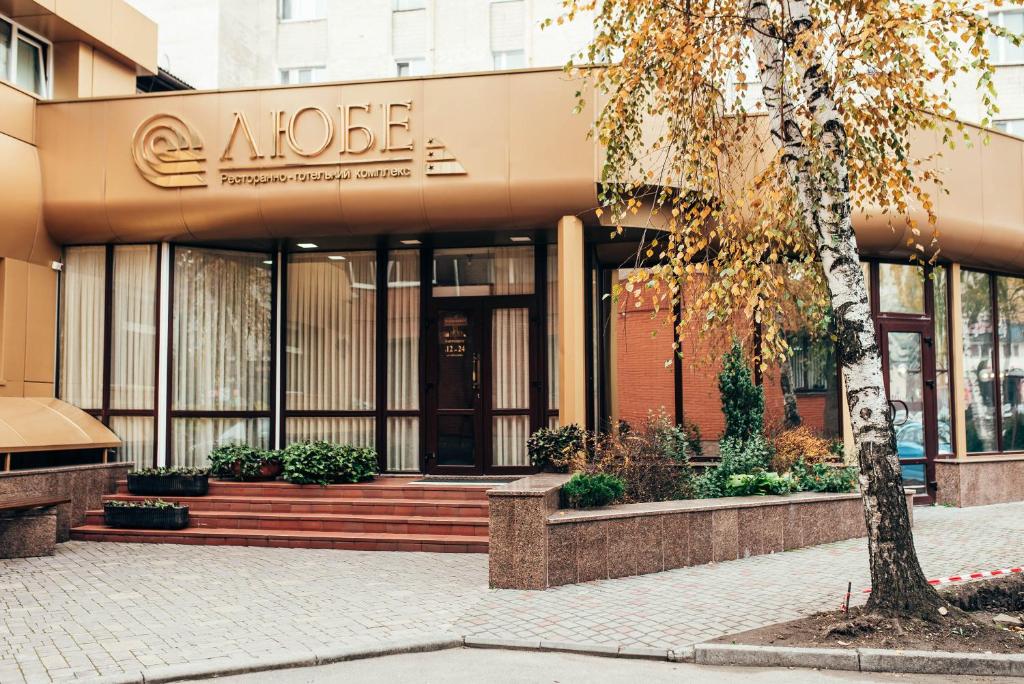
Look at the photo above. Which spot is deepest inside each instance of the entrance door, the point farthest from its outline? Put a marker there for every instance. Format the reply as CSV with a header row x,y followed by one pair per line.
x,y
481,394
908,366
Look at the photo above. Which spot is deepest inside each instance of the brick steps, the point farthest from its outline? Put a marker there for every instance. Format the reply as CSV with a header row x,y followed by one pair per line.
x,y
388,514
394,524
307,539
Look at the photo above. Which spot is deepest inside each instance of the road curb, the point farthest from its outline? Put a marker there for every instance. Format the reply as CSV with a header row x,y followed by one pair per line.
x,y
862,659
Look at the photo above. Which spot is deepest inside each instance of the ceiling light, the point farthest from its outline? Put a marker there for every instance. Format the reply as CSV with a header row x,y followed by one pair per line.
x,y
411,242
269,261
335,257
307,245
521,238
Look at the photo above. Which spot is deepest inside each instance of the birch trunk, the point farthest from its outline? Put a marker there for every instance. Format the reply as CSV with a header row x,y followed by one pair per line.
x,y
899,587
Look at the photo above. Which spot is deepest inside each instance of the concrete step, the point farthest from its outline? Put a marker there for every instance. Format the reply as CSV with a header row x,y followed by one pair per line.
x,y
324,505
382,488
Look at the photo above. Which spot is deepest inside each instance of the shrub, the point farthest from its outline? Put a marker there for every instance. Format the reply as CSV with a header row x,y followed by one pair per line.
x,y
223,458
738,457
800,442
559,449
325,463
671,440
742,400
759,483
590,490
694,446
821,477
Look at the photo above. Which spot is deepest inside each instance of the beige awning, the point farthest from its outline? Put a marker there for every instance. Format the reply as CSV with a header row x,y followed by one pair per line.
x,y
43,424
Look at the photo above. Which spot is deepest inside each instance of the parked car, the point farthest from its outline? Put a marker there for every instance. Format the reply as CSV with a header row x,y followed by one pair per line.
x,y
910,446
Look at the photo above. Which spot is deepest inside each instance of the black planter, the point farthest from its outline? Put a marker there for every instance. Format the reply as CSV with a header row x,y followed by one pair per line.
x,y
168,485
145,518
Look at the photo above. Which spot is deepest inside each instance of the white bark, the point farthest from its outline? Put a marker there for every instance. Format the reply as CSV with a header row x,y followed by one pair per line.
x,y
823,190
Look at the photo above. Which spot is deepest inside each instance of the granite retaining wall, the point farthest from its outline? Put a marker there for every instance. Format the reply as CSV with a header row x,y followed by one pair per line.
x,y
979,480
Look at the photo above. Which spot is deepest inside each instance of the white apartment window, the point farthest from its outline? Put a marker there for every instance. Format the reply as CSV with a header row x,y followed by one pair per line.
x,y
407,5
411,67
1003,51
408,32
508,34
303,75
24,58
1011,126
510,59
303,10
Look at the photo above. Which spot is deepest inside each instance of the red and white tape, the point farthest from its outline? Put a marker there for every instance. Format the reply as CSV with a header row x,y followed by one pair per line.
x,y
968,577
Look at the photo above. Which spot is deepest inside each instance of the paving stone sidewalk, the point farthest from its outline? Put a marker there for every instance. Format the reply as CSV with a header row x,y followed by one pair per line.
x,y
100,608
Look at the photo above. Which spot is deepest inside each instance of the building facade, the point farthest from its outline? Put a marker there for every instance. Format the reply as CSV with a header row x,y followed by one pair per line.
x,y
416,264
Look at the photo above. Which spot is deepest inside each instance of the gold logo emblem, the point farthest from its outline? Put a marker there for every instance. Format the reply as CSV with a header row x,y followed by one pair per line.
x,y
168,153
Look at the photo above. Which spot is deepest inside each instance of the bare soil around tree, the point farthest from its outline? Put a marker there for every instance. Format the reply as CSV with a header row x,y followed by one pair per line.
x,y
984,617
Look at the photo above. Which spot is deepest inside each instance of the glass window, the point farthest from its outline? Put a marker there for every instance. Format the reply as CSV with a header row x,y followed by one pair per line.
x,y
81,334
138,439
405,5
1001,50
979,380
411,67
133,337
356,431
510,59
403,443
552,330
900,288
303,75
813,363
193,439
6,32
31,65
331,331
403,355
1011,126
508,26
303,10
1010,300
483,271
943,391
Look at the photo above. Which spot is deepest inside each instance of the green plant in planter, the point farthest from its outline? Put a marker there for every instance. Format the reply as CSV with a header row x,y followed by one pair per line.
x,y
821,477
590,490
325,463
223,458
555,449
168,472
759,483
148,503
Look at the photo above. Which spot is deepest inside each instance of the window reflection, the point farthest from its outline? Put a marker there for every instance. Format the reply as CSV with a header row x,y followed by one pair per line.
x,y
979,388
900,288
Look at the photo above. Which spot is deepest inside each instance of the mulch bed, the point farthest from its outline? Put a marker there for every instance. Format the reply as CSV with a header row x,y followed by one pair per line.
x,y
969,629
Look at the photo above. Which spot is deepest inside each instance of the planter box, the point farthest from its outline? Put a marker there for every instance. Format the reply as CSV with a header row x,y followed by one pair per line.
x,y
535,545
168,485
139,517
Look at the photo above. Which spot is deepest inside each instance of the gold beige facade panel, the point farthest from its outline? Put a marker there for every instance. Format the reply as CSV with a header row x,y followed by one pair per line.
x,y
40,324
13,315
17,114
21,197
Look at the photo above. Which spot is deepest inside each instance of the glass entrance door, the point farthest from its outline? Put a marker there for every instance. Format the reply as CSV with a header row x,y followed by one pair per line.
x,y
481,387
908,366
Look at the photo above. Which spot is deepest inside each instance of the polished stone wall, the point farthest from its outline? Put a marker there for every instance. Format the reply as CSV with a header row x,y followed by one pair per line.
x,y
85,485
979,480
533,545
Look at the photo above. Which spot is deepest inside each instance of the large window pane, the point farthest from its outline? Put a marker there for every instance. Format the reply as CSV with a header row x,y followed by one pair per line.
x,y
5,48
403,444
900,288
404,330
510,354
137,439
552,327
979,380
133,332
81,335
355,431
193,439
331,329
943,395
483,271
31,66
510,435
221,330
1010,299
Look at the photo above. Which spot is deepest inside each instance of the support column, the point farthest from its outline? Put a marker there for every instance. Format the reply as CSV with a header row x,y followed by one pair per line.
x,y
956,363
572,352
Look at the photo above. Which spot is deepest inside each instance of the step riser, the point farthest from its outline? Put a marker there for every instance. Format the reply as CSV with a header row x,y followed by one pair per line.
x,y
327,507
428,547
346,492
250,524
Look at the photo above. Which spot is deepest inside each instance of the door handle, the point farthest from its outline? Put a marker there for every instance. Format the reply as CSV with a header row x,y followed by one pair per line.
x,y
476,373
930,384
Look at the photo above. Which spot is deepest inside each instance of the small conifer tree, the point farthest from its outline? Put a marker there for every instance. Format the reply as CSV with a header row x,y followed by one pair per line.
x,y
742,400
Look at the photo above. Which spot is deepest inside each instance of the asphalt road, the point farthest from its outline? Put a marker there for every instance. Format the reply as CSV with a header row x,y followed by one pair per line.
x,y
472,666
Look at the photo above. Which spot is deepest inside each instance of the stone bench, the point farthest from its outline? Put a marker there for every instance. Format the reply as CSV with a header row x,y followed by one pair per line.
x,y
28,526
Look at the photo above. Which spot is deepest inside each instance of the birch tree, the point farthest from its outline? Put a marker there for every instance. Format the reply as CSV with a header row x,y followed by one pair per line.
x,y
754,130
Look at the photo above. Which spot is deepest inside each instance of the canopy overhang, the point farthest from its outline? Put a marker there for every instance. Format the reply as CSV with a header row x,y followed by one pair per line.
x,y
44,424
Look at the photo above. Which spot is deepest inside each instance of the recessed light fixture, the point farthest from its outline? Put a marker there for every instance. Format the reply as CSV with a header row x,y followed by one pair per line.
x,y
521,238
269,261
411,242
307,245
335,257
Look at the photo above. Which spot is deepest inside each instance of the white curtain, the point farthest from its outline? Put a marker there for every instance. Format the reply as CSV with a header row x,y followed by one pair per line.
x,y
221,330
403,351
133,360
353,431
510,354
81,307
513,270
193,439
332,316
137,439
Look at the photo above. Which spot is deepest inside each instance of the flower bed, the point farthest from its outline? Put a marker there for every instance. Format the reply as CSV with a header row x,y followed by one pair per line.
x,y
534,544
